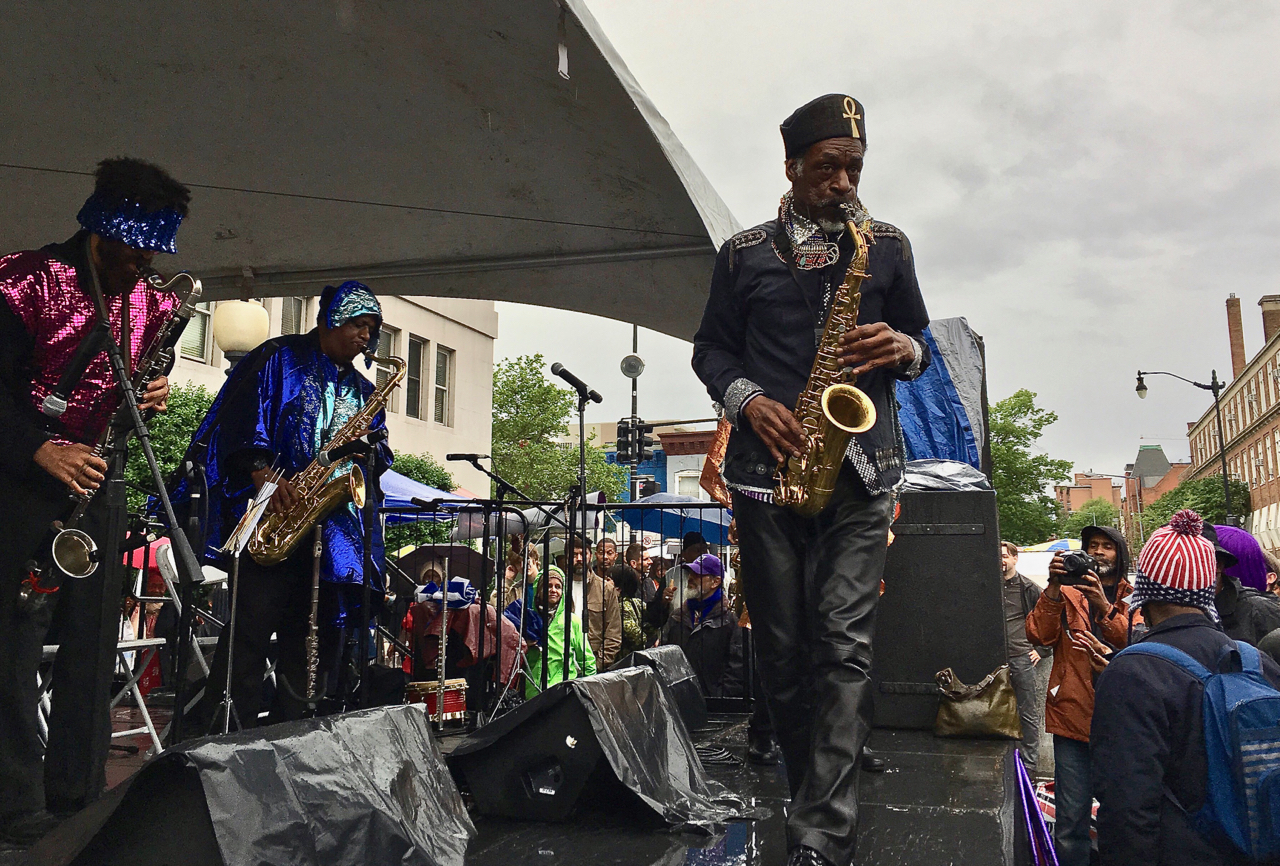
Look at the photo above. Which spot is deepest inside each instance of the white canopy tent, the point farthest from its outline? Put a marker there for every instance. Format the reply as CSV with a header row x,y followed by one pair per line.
x,y
425,148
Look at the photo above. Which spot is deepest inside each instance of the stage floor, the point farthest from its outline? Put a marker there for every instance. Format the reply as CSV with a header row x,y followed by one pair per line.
x,y
940,801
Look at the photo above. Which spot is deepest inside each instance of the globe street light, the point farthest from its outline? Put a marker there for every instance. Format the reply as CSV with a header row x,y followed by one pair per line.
x,y
1216,388
239,327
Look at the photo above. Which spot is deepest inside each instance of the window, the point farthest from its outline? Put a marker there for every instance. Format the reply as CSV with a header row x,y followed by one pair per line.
x,y
386,348
413,381
293,315
195,336
690,484
444,386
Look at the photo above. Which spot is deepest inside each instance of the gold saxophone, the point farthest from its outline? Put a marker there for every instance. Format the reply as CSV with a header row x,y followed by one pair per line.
x,y
830,409
280,533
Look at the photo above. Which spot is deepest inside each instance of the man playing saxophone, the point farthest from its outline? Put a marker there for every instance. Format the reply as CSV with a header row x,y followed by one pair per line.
x,y
50,300
811,582
281,405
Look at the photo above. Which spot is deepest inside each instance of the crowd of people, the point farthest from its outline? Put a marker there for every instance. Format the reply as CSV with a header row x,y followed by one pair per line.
x,y
1128,727
633,601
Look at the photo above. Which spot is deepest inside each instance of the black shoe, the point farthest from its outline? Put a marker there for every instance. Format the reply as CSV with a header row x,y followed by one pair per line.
x,y
764,752
27,828
803,855
872,764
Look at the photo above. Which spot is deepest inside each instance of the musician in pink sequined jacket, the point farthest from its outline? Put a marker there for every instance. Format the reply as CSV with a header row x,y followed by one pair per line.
x,y
49,301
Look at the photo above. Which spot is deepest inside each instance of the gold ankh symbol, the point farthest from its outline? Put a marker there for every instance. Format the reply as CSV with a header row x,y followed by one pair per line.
x,y
849,106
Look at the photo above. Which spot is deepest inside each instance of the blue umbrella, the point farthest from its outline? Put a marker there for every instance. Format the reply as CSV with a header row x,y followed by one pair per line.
x,y
672,522
400,492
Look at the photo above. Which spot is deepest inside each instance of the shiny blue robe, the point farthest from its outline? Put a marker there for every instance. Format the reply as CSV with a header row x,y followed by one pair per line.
x,y
279,407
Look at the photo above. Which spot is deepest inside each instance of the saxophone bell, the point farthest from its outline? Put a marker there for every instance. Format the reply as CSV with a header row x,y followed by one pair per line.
x,y
849,408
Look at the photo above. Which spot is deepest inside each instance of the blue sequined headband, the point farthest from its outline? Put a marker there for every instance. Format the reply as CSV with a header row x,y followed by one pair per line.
x,y
130,224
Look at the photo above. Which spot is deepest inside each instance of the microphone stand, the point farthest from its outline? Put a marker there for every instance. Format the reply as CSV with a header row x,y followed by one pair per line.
x,y
583,398
189,571
186,616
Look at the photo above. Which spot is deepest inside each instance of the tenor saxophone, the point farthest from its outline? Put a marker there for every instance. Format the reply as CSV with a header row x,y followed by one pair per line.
x,y
830,409
319,489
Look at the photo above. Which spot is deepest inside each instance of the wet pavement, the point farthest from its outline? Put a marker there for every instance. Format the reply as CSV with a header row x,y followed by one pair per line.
x,y
940,802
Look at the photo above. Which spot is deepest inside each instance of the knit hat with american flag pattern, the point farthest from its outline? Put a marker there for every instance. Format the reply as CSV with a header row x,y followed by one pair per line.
x,y
1177,565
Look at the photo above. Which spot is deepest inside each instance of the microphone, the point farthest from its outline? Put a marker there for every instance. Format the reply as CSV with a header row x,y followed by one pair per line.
x,y
355,446
94,342
580,386
470,458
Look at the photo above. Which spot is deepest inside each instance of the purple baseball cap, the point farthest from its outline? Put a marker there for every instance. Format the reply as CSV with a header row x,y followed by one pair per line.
x,y
707,564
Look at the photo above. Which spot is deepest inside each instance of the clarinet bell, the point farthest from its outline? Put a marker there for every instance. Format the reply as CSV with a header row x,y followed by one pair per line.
x,y
76,553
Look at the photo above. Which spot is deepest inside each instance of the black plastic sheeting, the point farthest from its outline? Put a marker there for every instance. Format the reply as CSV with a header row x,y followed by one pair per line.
x,y
673,668
649,748
365,787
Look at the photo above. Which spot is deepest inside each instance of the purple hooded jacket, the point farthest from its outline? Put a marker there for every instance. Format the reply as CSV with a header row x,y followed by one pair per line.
x,y
1251,568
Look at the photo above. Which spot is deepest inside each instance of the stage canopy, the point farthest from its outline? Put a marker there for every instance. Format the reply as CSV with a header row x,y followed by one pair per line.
x,y
425,148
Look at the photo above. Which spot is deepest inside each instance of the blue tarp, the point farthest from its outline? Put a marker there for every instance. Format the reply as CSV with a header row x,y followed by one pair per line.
x,y
932,410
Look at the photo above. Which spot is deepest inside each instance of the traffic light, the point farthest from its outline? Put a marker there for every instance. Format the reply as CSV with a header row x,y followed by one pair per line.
x,y
643,442
648,487
626,442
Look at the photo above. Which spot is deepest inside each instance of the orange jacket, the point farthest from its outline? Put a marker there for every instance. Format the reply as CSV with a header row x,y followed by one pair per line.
x,y
1068,709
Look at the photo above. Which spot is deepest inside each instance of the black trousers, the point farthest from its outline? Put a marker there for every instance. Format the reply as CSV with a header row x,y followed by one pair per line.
x,y
85,619
273,599
812,585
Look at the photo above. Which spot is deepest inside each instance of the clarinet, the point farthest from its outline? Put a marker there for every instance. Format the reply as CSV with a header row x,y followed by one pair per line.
x,y
68,550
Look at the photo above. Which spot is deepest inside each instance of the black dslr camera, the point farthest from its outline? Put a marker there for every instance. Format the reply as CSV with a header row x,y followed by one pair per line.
x,y
1078,564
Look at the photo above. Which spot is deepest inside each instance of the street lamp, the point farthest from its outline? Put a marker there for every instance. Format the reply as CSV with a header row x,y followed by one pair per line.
x,y
1215,387
239,327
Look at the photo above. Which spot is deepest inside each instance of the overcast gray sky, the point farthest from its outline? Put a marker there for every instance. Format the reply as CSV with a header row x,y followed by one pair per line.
x,y
1085,182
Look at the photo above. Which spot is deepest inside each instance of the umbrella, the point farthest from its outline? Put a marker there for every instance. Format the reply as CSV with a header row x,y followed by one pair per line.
x,y
1046,546
471,524
671,522
400,491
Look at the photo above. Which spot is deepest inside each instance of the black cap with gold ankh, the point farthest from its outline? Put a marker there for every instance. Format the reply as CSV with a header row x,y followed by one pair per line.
x,y
832,116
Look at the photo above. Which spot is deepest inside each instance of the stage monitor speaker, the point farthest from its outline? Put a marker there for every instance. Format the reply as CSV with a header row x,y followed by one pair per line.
x,y
613,743
942,605
365,787
673,668
533,762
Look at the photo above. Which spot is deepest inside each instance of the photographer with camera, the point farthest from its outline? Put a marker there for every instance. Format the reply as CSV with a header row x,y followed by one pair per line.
x,y
1085,594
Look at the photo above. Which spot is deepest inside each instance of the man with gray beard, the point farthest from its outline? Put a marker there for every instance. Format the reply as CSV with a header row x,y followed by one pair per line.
x,y
812,582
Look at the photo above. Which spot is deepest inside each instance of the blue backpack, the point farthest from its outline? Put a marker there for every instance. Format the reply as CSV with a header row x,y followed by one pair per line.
x,y
1242,741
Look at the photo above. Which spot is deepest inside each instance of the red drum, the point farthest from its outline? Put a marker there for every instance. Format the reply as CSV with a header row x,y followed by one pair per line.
x,y
455,698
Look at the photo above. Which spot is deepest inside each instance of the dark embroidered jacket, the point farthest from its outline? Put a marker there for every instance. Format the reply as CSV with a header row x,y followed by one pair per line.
x,y
762,324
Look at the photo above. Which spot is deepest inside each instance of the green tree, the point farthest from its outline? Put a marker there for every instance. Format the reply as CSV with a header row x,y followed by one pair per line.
x,y
171,433
529,414
1095,512
1028,514
425,470
1203,496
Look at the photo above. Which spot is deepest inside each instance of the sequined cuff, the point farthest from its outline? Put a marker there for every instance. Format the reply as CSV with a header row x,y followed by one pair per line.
x,y
736,396
913,369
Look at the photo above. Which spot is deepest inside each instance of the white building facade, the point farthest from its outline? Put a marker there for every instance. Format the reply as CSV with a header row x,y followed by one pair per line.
x,y
445,403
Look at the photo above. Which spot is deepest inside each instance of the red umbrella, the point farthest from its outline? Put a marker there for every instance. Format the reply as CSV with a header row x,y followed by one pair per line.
x,y
139,556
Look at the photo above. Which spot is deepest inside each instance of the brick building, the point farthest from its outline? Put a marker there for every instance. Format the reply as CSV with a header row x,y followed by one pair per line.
x,y
1087,486
1147,478
1251,423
